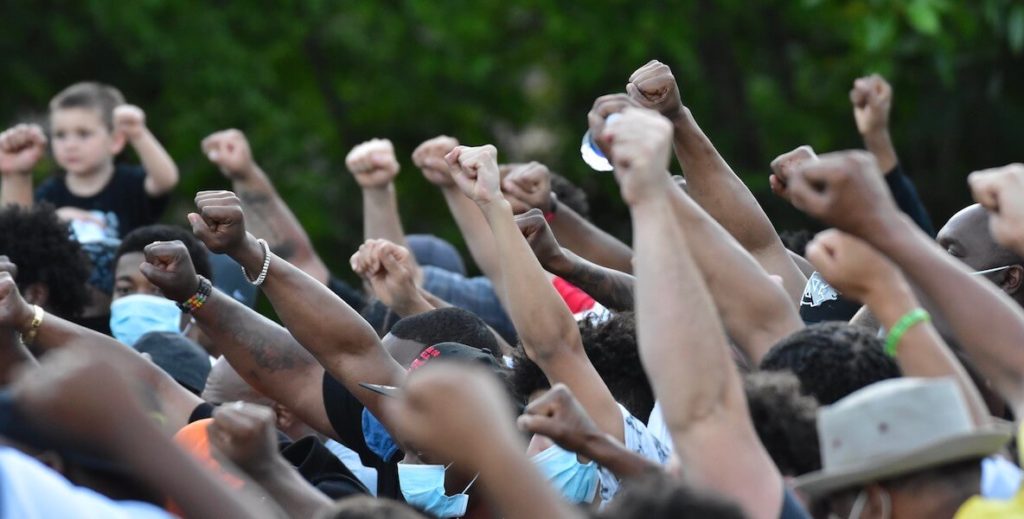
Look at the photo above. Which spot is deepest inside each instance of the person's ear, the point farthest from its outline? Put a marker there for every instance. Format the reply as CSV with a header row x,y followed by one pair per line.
x,y
1013,281
879,502
37,294
285,418
117,143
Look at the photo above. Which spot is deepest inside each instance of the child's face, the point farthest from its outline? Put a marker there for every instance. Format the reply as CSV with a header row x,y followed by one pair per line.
x,y
82,144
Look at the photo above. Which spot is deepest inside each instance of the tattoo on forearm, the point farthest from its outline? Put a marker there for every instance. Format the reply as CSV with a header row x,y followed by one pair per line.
x,y
611,288
259,215
272,352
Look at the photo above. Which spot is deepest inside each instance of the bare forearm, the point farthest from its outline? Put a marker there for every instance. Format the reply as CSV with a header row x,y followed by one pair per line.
x,y
381,218
13,355
879,143
610,287
161,172
16,190
295,495
614,456
589,241
476,232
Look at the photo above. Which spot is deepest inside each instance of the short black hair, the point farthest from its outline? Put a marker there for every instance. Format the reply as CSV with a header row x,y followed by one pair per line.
x,y
785,420
658,495
447,325
571,195
41,246
612,349
832,360
91,95
137,240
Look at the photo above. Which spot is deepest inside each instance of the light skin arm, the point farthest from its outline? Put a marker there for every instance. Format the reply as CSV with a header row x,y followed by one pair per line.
x,y
161,172
711,182
374,166
587,240
267,213
695,379
21,147
871,97
547,330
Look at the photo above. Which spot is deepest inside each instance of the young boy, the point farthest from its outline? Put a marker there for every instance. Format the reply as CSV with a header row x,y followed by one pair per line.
x,y
90,125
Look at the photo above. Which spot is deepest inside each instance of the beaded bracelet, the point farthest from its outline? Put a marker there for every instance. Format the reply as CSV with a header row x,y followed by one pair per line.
x,y
190,305
913,317
266,265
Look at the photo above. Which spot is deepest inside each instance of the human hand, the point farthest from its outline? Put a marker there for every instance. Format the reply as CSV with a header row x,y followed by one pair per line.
x,y
640,142
537,233
605,106
475,171
21,147
130,121
429,157
559,416
389,269
219,222
1001,192
529,186
782,168
871,97
245,434
229,150
853,267
654,87
15,312
169,267
845,190
373,163
453,413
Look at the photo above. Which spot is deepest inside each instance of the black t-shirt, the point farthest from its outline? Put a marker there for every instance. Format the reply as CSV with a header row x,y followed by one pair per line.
x,y
345,413
123,200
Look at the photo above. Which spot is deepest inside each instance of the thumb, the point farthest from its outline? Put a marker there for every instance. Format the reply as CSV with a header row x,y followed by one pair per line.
x,y
199,228
534,423
160,278
390,263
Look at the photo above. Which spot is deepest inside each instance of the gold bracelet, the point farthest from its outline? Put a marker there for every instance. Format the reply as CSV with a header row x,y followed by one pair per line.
x,y
37,320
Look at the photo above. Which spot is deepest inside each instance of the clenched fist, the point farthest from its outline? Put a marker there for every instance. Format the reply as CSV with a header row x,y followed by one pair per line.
x,y
429,157
1001,192
852,266
783,166
390,271
475,171
871,97
219,222
640,142
229,150
605,106
538,234
169,267
654,87
130,121
373,163
245,433
559,416
15,312
528,186
21,147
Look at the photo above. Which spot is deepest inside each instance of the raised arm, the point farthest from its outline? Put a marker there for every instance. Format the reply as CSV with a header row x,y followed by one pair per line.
x,y
161,172
265,355
710,180
846,190
860,272
374,166
13,354
267,213
341,341
682,346
21,148
547,330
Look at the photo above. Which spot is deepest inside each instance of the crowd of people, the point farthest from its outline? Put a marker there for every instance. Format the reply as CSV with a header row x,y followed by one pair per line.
x,y
709,369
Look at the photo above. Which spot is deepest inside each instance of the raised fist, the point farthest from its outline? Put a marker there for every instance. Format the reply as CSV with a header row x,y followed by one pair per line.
x,y
429,157
871,97
21,148
229,150
373,163
845,190
15,312
640,142
537,233
783,166
603,107
1001,192
219,221
245,433
475,171
559,416
169,267
850,265
529,186
130,121
654,87
389,269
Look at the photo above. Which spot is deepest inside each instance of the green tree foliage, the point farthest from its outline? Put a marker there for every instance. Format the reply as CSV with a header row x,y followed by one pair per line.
x,y
308,80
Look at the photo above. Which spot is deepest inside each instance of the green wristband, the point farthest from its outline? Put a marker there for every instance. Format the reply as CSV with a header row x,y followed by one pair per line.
x,y
892,342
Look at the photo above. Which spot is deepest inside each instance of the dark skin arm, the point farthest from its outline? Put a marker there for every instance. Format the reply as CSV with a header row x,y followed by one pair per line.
x,y
374,167
587,240
13,354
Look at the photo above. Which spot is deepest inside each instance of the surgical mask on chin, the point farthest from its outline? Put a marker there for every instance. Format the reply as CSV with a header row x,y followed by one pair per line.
x,y
423,487
577,482
133,316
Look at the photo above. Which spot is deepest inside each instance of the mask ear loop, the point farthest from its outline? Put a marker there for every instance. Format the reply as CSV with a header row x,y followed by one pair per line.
x,y
188,327
858,505
448,466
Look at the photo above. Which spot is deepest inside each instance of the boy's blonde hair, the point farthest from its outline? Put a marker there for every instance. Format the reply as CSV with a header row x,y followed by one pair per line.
x,y
92,95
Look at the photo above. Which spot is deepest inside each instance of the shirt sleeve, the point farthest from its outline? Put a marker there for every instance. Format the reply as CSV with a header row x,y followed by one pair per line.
x,y
908,200
639,441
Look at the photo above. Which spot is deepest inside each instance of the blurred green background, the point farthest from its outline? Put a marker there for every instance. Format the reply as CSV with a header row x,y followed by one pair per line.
x,y
308,80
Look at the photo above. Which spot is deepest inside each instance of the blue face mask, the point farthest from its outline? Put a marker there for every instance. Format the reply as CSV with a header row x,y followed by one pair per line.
x,y
133,316
423,487
577,482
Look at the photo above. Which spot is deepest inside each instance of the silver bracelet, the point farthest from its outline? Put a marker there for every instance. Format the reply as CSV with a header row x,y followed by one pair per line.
x,y
266,265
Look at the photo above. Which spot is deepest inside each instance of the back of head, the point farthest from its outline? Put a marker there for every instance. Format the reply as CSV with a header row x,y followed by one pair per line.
x,y
611,346
785,420
92,96
366,507
658,495
832,360
447,325
224,384
41,246
137,240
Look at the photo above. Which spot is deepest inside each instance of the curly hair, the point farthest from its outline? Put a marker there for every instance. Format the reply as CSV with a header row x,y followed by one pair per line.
x,y
657,495
832,360
137,240
612,349
571,195
785,420
41,246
